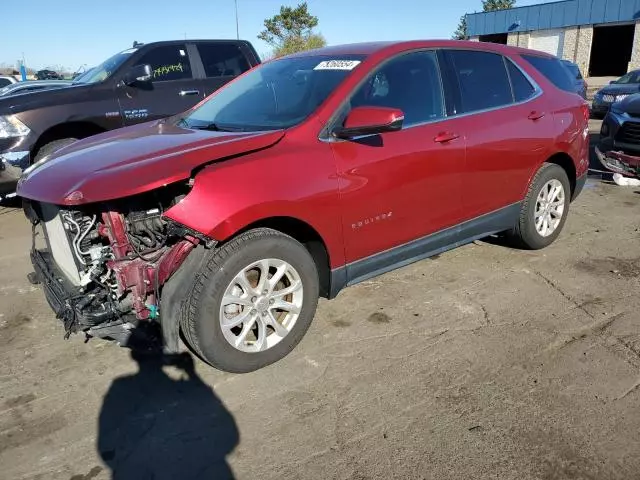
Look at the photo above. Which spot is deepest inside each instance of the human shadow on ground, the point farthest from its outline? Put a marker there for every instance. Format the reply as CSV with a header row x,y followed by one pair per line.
x,y
152,426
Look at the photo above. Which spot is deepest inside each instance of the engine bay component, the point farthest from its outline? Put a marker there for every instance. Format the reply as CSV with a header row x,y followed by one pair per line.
x,y
103,267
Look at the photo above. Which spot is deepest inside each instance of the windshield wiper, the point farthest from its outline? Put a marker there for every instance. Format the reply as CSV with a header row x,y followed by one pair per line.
x,y
214,127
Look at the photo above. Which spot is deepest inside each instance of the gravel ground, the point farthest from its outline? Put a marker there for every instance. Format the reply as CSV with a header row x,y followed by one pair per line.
x,y
485,362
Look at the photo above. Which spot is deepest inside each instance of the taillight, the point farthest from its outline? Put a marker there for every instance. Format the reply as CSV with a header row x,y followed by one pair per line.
x,y
585,111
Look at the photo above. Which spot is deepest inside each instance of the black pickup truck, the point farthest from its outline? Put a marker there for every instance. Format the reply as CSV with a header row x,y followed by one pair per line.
x,y
143,83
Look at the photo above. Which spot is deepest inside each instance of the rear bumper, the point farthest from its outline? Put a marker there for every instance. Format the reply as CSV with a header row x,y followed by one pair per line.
x,y
580,183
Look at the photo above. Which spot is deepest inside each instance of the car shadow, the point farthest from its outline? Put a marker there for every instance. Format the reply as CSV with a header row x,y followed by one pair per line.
x,y
153,426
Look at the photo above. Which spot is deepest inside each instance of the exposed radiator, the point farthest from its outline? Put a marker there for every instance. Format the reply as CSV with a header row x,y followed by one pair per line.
x,y
58,242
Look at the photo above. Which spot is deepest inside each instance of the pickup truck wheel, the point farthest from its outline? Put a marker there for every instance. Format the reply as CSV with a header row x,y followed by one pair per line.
x,y
545,208
252,301
51,147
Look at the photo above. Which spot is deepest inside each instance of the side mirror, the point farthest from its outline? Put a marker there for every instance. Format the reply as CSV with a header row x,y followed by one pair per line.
x,y
370,121
138,74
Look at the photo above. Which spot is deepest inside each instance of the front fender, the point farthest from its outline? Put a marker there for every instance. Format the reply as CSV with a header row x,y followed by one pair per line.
x,y
229,196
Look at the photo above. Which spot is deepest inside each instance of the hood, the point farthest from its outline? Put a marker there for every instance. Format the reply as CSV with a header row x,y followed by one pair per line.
x,y
43,98
630,105
133,160
620,89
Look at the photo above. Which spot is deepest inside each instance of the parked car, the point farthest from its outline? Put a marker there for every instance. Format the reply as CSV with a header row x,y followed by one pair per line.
x,y
576,75
32,86
47,75
619,146
616,91
136,85
7,80
309,173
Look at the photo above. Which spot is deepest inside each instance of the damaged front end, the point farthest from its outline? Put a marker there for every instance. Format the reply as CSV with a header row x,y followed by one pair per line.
x,y
619,146
103,266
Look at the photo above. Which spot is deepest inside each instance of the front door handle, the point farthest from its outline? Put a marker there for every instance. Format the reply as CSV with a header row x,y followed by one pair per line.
x,y
535,115
189,92
444,137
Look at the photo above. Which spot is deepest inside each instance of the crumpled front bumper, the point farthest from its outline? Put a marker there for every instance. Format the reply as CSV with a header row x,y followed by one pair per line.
x,y
619,162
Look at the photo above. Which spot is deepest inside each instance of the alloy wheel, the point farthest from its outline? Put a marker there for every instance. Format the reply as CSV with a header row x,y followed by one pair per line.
x,y
549,207
261,305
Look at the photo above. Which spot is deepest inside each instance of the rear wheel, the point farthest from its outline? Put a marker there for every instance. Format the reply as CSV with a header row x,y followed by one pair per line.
x,y
545,208
252,302
51,147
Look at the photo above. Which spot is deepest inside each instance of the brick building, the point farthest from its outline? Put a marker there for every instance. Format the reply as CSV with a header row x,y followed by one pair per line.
x,y
601,36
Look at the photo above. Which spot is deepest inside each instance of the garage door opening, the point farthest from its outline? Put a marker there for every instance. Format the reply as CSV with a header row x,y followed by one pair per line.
x,y
548,41
611,50
495,38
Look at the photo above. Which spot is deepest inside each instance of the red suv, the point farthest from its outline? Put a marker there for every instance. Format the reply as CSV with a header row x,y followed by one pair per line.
x,y
304,175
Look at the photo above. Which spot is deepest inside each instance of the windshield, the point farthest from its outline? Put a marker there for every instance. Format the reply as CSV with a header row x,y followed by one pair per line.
x,y
105,69
631,77
275,95
83,76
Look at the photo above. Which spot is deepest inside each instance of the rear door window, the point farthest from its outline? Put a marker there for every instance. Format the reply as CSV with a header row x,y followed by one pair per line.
x,y
168,62
482,79
522,88
553,70
222,59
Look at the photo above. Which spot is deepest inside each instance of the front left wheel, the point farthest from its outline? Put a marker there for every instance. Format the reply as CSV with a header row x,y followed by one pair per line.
x,y
252,302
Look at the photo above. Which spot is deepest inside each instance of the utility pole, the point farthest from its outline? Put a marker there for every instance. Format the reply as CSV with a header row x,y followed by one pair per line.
x,y
237,27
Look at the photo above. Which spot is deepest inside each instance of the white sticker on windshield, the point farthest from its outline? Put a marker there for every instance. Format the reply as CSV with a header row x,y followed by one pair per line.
x,y
182,54
337,65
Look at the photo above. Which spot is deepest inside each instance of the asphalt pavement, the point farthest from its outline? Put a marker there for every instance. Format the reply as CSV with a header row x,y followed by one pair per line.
x,y
485,362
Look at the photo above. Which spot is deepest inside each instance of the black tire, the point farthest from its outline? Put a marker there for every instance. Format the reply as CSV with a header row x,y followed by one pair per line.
x,y
51,147
200,322
525,234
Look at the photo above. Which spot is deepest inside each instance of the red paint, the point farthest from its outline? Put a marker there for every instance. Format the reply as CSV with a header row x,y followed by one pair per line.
x,y
361,198
133,160
368,116
135,274
115,230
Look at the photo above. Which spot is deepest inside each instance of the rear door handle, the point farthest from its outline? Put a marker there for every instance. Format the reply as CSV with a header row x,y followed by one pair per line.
x,y
189,92
535,115
444,137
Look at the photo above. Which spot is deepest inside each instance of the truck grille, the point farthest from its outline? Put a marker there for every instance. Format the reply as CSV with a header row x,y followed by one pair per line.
x,y
629,133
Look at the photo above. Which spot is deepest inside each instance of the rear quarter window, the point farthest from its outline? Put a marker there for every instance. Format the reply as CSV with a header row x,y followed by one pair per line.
x,y
553,70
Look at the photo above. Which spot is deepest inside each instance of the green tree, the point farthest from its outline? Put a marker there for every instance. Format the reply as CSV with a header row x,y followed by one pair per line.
x,y
461,31
491,5
291,31
487,6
